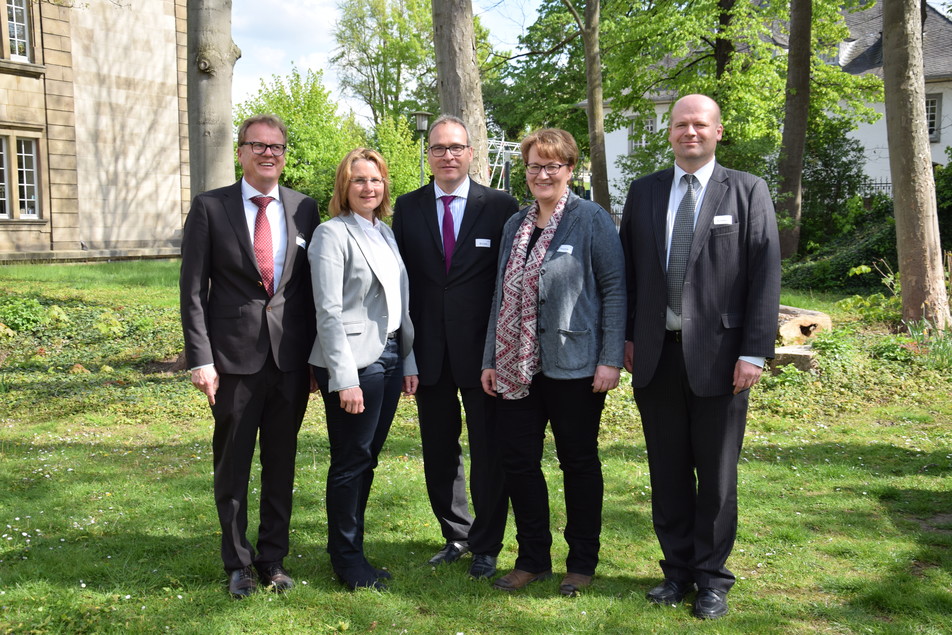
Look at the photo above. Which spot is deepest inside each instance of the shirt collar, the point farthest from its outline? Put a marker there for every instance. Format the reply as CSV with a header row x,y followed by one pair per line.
x,y
247,191
365,224
461,192
702,174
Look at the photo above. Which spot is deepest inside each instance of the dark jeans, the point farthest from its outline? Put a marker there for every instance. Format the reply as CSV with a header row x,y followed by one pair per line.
x,y
574,412
356,441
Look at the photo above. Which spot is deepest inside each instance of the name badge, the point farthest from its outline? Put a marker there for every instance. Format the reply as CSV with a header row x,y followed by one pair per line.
x,y
299,241
723,220
565,249
484,242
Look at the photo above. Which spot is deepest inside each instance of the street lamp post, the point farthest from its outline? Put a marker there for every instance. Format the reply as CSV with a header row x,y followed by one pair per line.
x,y
422,119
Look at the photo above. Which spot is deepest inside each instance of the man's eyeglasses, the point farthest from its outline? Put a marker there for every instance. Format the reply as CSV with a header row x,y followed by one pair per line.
x,y
455,149
277,149
551,169
360,182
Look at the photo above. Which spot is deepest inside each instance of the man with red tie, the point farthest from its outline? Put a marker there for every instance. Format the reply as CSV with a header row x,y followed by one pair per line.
x,y
248,321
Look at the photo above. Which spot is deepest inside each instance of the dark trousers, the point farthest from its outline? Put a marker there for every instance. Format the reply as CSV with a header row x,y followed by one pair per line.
x,y
356,441
693,447
269,404
574,412
438,406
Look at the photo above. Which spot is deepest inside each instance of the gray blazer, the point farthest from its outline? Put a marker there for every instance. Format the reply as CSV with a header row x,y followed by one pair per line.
x,y
581,311
350,303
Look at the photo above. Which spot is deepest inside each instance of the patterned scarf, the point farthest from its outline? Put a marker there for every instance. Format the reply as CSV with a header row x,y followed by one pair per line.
x,y
517,342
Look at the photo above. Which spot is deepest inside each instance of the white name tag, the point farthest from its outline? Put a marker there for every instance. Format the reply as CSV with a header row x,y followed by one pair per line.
x,y
565,249
299,240
484,242
723,220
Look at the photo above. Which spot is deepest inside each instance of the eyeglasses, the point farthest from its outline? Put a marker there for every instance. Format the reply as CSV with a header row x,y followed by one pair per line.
x,y
277,149
455,149
360,182
551,169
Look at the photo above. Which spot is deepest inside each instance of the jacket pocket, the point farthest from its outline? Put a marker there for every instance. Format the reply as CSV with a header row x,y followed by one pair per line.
x,y
574,349
732,320
353,328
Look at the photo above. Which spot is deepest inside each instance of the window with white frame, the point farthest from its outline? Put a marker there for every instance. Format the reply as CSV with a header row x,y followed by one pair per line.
x,y
934,116
19,178
636,141
18,30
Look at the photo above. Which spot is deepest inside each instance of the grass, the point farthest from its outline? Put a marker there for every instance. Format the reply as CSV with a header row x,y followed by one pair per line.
x,y
107,524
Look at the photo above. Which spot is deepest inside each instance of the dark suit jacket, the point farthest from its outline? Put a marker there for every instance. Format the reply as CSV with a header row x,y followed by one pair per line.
x,y
227,317
450,311
731,285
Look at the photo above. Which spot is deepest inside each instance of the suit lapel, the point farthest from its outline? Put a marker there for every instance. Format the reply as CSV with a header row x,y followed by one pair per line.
x,y
290,200
428,210
363,242
474,205
660,195
716,189
235,210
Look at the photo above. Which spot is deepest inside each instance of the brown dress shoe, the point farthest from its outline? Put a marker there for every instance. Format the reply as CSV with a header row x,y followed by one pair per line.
x,y
241,583
573,582
276,578
516,579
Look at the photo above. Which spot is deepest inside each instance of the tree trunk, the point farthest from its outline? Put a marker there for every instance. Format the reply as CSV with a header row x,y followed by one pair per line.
x,y
596,110
796,114
457,76
917,227
723,46
211,61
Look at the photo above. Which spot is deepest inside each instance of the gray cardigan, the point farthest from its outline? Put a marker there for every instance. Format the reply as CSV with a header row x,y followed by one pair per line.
x,y
582,302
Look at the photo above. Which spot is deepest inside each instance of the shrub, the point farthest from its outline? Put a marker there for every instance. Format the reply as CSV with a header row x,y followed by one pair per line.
x,y
21,314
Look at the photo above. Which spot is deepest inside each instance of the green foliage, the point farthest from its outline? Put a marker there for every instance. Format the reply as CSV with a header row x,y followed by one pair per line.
x,y
385,55
318,137
21,314
395,141
935,346
877,308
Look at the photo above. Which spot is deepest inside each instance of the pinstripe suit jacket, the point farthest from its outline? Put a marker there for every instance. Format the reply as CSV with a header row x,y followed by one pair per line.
x,y
731,285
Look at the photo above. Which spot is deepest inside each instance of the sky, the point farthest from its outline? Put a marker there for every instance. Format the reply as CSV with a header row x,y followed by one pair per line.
x,y
274,34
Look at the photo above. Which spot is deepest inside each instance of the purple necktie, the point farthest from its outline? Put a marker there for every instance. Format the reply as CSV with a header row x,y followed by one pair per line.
x,y
262,240
449,236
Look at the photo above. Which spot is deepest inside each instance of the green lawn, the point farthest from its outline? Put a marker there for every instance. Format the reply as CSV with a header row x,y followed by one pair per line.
x,y
107,523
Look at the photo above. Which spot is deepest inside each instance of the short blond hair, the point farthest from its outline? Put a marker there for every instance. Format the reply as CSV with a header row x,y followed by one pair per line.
x,y
340,203
551,143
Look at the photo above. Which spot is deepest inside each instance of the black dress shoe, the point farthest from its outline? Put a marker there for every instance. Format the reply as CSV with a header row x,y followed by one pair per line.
x,y
484,566
452,552
360,577
275,577
241,583
670,592
710,604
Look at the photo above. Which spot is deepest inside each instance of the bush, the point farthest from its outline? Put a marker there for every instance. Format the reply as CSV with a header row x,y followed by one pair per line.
x,y
21,314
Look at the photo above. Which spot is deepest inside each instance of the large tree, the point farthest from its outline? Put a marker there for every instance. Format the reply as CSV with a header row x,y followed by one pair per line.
x,y
385,55
917,227
211,61
458,81
795,122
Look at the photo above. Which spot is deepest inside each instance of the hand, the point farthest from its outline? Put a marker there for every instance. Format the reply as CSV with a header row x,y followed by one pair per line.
x,y
352,400
410,383
606,378
746,375
313,380
206,380
629,356
488,380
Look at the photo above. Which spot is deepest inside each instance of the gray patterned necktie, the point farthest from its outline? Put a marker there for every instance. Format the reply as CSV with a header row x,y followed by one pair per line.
x,y
681,235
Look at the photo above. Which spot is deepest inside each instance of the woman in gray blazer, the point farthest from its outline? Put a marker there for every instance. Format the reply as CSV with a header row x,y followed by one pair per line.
x,y
555,347
363,354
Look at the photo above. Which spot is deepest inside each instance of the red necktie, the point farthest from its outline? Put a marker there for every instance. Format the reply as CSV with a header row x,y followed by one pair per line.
x,y
262,241
449,236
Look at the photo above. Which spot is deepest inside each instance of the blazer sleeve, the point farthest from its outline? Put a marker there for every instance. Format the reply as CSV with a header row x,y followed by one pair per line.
x,y
327,257
763,273
194,280
608,266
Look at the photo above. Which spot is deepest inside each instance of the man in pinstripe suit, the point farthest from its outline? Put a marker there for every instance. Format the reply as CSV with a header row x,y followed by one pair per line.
x,y
703,261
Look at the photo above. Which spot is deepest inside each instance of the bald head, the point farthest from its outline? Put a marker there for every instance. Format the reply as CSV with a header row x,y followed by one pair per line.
x,y
695,130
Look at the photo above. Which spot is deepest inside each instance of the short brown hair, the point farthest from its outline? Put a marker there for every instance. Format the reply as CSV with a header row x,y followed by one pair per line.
x,y
551,143
269,120
339,202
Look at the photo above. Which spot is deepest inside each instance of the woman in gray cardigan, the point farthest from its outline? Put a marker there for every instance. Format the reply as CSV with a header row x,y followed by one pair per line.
x,y
555,347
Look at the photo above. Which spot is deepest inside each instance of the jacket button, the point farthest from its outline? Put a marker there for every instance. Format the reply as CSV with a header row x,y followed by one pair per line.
x,y
541,301
541,330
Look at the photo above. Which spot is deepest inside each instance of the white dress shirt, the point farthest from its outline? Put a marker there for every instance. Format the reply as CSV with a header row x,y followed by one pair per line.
x,y
387,268
457,205
279,226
